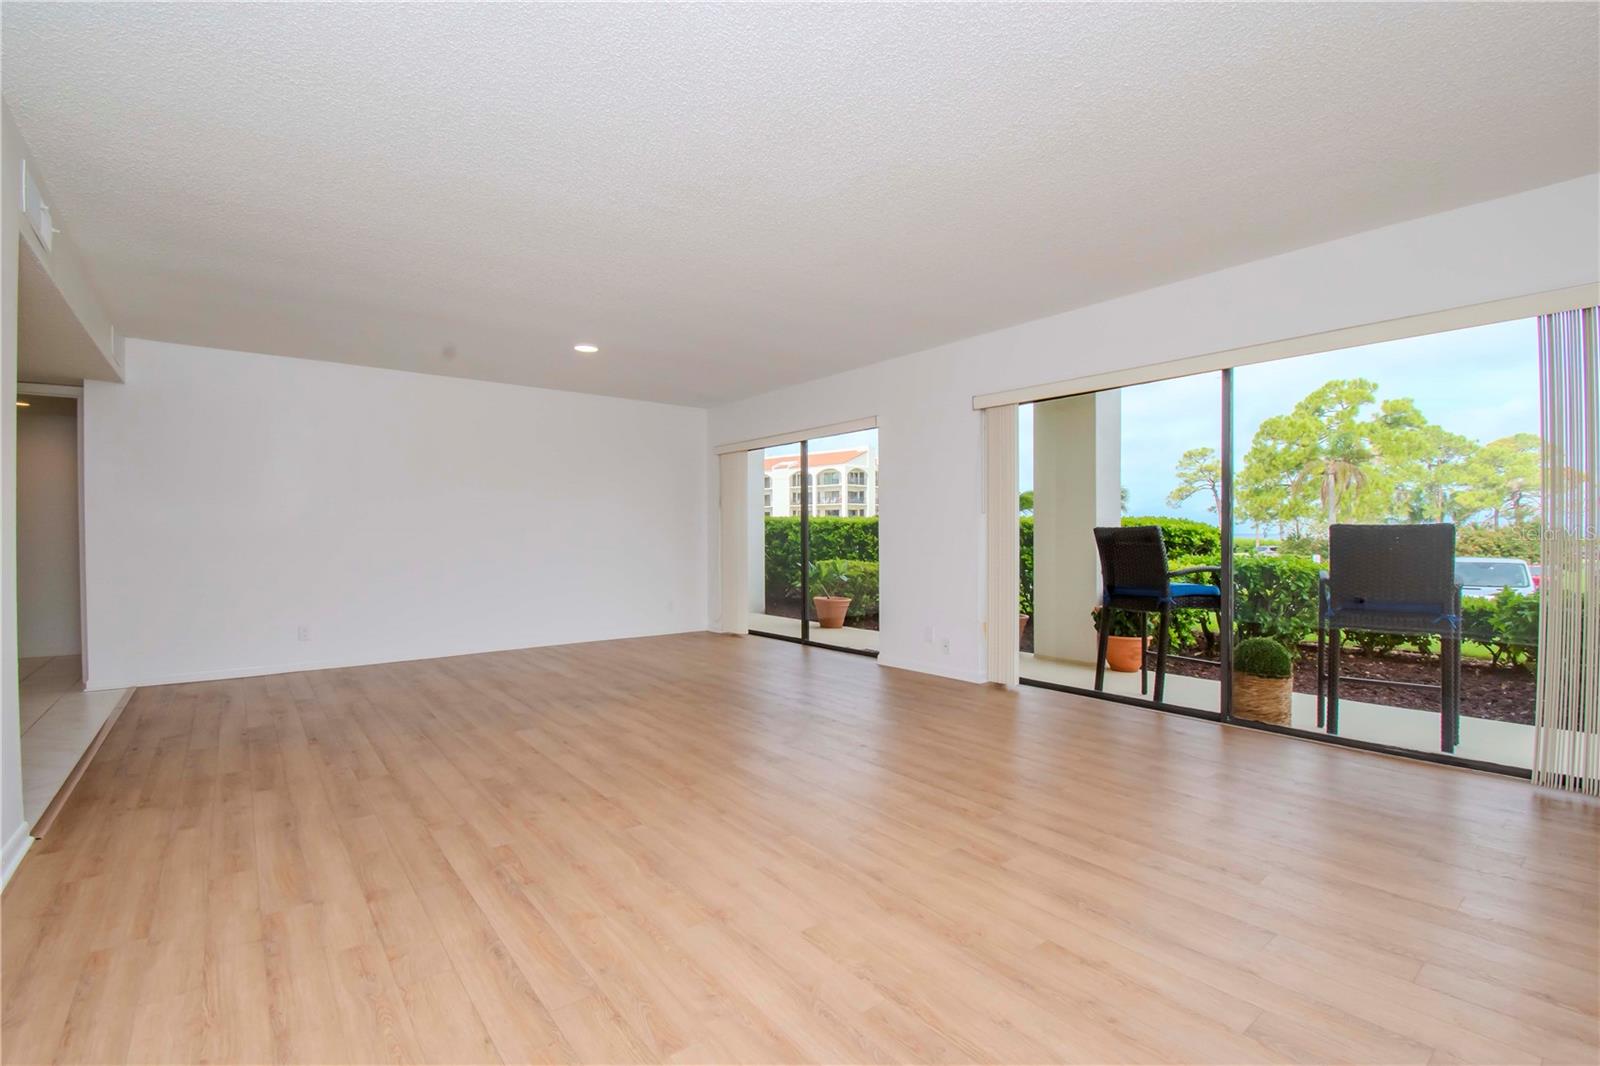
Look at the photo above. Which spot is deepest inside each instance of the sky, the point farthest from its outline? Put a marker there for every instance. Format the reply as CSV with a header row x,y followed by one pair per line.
x,y
1482,383
866,438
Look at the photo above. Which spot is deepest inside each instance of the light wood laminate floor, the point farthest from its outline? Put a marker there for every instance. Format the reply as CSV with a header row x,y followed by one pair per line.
x,y
707,849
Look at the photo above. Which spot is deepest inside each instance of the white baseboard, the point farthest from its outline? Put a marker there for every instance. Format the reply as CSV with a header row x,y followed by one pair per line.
x,y
16,846
937,669
230,673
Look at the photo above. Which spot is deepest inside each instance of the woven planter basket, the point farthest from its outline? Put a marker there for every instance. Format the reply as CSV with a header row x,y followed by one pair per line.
x,y
1262,699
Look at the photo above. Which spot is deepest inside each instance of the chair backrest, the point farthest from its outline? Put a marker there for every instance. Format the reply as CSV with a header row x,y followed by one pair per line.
x,y
1133,560
1392,568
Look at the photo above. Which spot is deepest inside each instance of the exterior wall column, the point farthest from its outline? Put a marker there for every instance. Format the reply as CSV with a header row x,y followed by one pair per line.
x,y
1077,485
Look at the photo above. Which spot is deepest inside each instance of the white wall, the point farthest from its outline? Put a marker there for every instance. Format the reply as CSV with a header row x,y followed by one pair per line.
x,y
929,435
47,529
232,498
13,826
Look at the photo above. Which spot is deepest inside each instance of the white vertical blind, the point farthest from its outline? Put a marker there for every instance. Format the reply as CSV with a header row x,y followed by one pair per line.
x,y
734,476
1000,524
1566,720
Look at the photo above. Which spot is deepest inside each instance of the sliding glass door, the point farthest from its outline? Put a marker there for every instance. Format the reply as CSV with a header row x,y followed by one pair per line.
x,y
1362,451
842,541
1351,543
817,581
1141,456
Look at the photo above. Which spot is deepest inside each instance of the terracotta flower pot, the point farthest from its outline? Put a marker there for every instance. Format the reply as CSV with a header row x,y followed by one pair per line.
x,y
1263,699
1022,626
1123,653
831,610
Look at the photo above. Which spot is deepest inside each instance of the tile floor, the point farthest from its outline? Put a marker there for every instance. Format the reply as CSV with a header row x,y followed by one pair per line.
x,y
59,721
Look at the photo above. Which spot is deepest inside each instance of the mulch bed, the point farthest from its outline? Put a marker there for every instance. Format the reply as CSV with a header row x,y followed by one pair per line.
x,y
1501,693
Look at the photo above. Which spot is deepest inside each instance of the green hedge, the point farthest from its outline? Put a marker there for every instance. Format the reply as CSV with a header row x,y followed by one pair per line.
x,y
853,578
1025,594
1507,625
1183,536
1307,545
831,538
1510,542
1275,597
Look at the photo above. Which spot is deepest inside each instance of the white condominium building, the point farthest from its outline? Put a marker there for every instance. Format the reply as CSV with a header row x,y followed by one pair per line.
x,y
843,484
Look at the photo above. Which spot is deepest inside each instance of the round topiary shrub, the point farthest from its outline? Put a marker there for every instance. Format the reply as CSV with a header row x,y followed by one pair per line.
x,y
1262,657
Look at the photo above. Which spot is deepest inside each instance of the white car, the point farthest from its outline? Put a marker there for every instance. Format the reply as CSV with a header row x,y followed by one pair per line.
x,y
1482,577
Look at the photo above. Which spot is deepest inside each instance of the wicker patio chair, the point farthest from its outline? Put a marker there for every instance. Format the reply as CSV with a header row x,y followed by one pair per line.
x,y
1391,579
1134,576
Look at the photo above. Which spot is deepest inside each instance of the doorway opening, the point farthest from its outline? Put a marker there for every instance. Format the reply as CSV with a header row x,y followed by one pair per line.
x,y
61,722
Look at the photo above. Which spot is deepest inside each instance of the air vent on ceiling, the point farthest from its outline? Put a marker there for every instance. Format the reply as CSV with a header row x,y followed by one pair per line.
x,y
34,209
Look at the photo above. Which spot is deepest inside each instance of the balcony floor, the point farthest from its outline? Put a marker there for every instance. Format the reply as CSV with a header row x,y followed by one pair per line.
x,y
848,637
1505,743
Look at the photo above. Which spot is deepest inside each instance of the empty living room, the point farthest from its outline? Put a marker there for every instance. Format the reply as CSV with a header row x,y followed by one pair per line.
x,y
800,533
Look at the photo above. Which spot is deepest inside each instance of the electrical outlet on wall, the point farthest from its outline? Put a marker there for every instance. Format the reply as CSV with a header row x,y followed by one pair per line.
x,y
303,633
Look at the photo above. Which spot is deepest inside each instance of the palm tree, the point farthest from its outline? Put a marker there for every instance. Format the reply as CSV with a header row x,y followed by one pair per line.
x,y
1338,477
1334,444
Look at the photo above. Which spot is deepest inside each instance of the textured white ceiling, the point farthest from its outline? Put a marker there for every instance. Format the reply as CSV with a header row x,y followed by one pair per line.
x,y
732,198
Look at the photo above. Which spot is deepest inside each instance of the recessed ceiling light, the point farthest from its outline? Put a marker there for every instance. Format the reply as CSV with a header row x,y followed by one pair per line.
x,y
586,349
24,403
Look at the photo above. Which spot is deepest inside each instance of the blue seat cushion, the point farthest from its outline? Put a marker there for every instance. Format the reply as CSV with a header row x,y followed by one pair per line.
x,y
1180,589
